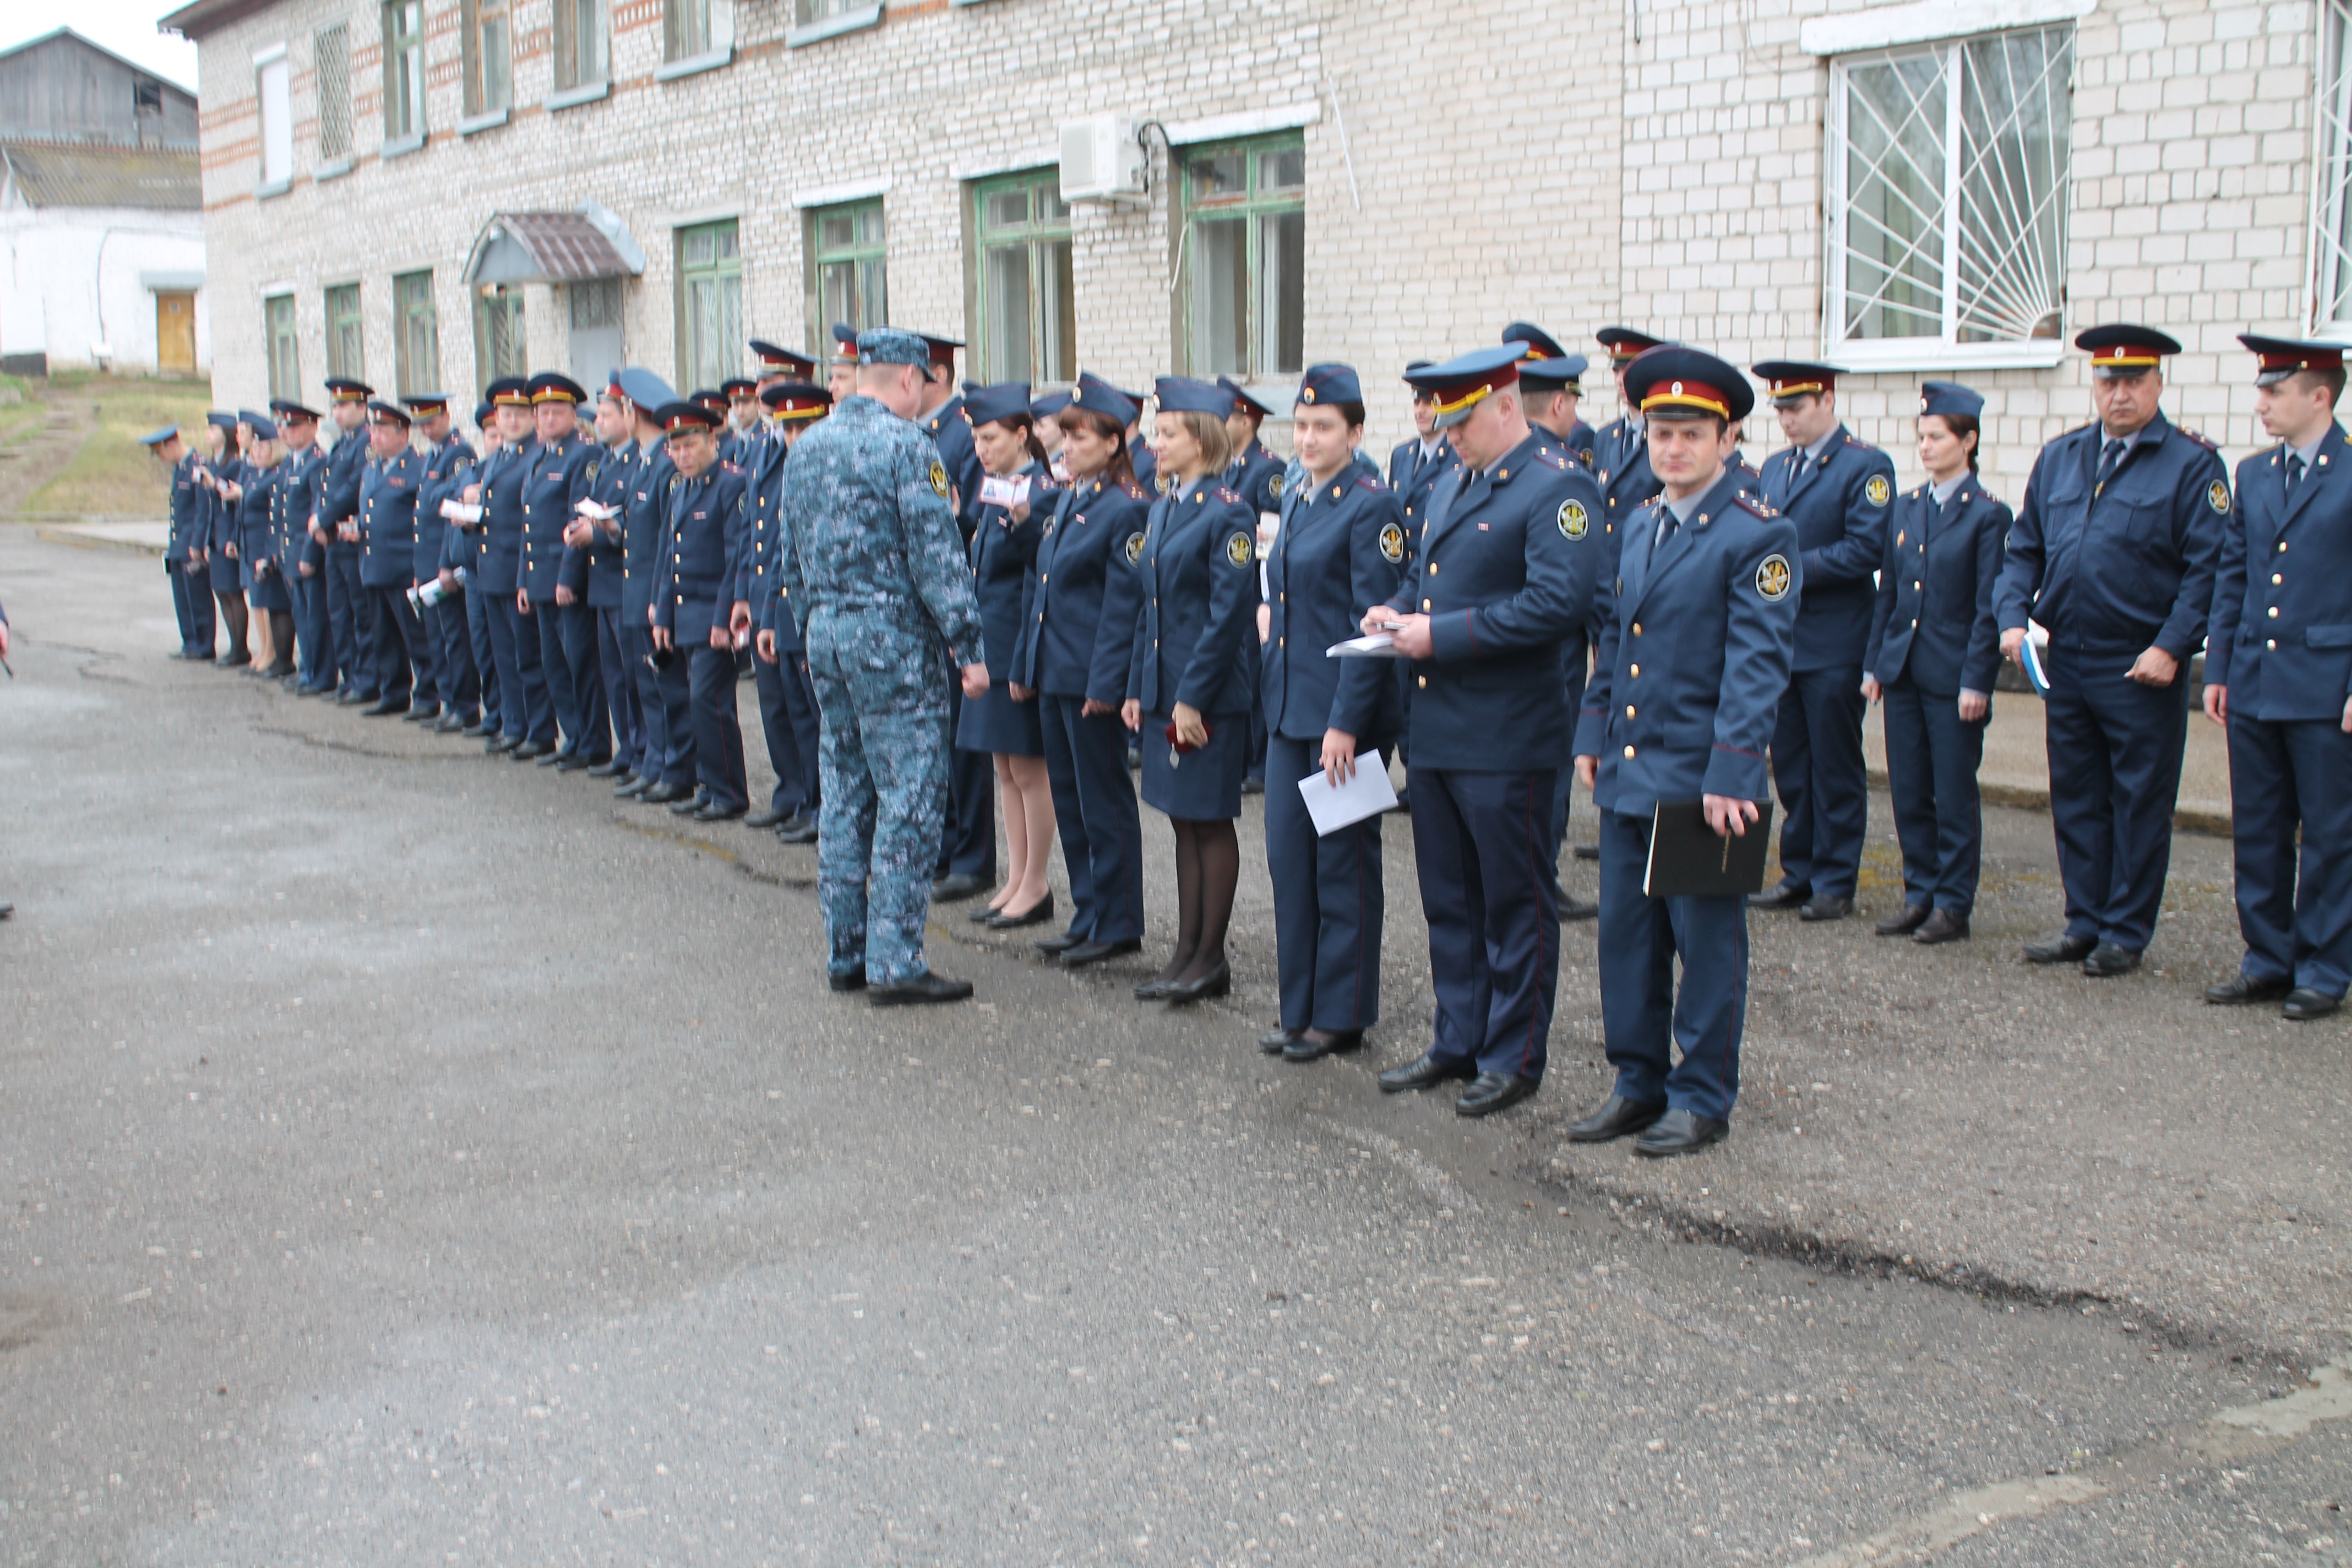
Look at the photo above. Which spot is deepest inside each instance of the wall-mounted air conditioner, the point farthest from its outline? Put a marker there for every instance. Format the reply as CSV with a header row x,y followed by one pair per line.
x,y
1102,161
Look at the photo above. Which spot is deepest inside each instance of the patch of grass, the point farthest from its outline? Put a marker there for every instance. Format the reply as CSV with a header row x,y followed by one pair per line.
x,y
113,474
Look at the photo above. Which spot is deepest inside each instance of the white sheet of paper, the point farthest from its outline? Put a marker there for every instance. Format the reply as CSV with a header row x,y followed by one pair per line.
x,y
1367,794
597,511
1007,491
1380,645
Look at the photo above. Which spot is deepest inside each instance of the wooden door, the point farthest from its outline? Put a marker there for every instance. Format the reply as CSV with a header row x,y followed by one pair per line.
x,y
175,333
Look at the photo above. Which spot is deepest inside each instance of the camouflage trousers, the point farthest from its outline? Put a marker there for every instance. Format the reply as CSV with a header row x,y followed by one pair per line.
x,y
882,767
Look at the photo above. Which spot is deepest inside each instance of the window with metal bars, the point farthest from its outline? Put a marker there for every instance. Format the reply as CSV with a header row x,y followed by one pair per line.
x,y
1026,319
331,59
500,347
346,340
1243,297
710,305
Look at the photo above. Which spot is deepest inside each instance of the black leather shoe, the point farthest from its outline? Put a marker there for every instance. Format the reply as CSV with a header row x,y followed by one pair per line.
x,y
979,914
663,794
1680,1133
1274,1042
1912,917
713,811
425,713
798,829
475,729
1252,785
2304,1003
554,758
1089,952
853,981
687,805
1308,1048
453,724
1424,1071
1578,910
531,751
352,696
1058,944
1492,1091
924,987
232,661
1152,990
1036,914
768,818
573,762
1218,981
500,745
631,788
1613,1118
1783,897
1588,851
611,768
385,708
2239,989
1825,908
1941,927
956,887
2107,961
2064,950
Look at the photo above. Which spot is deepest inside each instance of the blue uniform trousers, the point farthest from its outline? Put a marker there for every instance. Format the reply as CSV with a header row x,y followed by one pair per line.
x,y
1638,940
555,665
402,654
344,598
717,733
2115,774
1565,786
576,622
612,662
479,610
523,708
1328,902
461,683
968,836
1490,892
192,603
1932,757
1095,815
788,720
663,698
314,638
1822,781
884,755
2282,776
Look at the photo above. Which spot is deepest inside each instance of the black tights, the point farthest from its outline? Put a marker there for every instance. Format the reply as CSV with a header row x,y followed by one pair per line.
x,y
282,641
1208,869
232,609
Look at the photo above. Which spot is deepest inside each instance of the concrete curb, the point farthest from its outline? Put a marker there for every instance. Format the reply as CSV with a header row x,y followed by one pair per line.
x,y
2026,797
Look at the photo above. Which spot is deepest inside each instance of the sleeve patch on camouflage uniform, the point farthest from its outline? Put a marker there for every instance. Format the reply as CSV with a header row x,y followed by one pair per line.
x,y
1237,549
1772,577
1573,520
1393,543
1878,489
940,478
2217,496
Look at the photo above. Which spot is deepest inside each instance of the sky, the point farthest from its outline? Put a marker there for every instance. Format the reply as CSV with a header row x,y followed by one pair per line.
x,y
126,26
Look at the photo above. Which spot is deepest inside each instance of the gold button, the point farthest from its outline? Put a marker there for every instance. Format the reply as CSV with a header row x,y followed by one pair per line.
x,y
2277,578
1629,710
1425,604
1629,751
1637,628
1637,672
1433,568
2274,611
2273,644
1422,679
1277,642
2282,547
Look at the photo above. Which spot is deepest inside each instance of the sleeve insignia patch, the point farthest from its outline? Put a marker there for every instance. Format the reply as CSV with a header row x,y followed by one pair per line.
x,y
1274,486
1772,577
1574,523
1134,548
1237,549
1393,543
2217,496
1879,491
940,478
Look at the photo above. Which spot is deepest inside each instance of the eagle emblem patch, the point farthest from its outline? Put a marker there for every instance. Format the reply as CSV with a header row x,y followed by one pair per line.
x,y
2217,496
1772,577
1273,487
1134,548
1237,549
1573,520
940,478
1879,491
1393,543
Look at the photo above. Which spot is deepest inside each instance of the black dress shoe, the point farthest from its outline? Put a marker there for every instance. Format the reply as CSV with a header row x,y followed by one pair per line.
x,y
352,696
798,829
1152,990
1492,1091
853,981
531,751
554,757
2304,1003
1058,944
1423,1071
2239,989
1588,851
981,914
769,817
385,708
233,661
1252,784
498,745
924,987
2107,961
1825,908
956,887
1613,1118
1308,1048
1578,910
631,786
476,729
2064,950
1680,1133
573,762
449,724
610,768
1274,1042
1943,926
1089,952
1783,897
1218,981
425,713
1036,914
715,811
1912,917
687,805
661,793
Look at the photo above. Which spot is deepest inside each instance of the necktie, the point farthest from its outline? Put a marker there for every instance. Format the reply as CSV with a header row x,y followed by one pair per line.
x,y
1797,469
1667,522
2109,459
2294,471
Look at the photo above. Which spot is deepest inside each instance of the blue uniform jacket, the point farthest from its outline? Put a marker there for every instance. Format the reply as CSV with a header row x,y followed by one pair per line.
x,y
256,538
2127,568
388,489
1342,549
1415,481
948,426
189,514
1197,578
221,527
696,577
1145,463
756,582
1506,571
1080,605
1694,654
1584,445
2280,637
560,475
448,469
503,477
1840,508
593,573
339,496
642,526
1934,619
1002,552
1256,476
293,500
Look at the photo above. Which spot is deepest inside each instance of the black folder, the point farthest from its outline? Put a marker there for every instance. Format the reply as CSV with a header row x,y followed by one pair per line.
x,y
1687,860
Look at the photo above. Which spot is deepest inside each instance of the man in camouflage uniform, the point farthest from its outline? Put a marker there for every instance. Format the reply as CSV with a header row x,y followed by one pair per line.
x,y
871,552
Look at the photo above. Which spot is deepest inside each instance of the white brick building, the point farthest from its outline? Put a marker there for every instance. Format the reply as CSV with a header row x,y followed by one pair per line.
x,y
1368,182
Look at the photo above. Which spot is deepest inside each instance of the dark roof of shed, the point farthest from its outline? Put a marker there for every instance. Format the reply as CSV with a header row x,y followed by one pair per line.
x,y
51,175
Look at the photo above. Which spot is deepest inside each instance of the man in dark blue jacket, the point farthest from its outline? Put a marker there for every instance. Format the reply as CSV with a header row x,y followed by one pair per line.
x,y
525,715
968,837
563,467
302,552
595,566
349,618
389,485
666,760
184,553
695,589
787,714
448,460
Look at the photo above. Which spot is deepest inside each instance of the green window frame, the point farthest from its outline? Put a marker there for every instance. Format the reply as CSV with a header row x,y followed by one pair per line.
x,y
848,268
417,350
500,347
346,334
404,70
1023,306
285,351
1242,302
709,304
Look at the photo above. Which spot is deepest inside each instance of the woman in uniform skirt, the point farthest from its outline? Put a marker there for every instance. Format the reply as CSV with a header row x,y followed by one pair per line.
x,y
1339,551
257,548
1188,696
1004,722
220,538
1934,648
1077,639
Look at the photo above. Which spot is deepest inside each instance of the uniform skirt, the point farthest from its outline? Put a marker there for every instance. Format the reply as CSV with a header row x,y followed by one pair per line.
x,y
997,723
224,577
1201,786
267,591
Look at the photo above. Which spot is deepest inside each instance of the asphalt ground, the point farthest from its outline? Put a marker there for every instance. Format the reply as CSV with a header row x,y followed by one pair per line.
x,y
412,1157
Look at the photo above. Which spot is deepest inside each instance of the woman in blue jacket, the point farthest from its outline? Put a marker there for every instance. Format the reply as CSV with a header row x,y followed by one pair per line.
x,y
1934,648
1188,696
257,547
1005,724
220,541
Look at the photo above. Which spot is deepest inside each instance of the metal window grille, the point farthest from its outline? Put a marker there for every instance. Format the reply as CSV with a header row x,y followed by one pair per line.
x,y
501,346
331,56
1244,284
2332,207
1948,208
594,302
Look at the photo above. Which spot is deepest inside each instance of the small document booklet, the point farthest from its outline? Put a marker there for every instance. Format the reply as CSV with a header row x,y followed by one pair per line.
x,y
1688,860
458,511
1380,645
1367,793
1007,491
2029,659
595,510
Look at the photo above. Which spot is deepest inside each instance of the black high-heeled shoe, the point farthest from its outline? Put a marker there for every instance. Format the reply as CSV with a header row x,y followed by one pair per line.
x,y
1036,914
1152,990
1218,981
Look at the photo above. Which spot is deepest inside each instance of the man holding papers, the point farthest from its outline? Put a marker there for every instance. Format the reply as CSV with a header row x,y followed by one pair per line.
x,y
1695,652
1504,573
